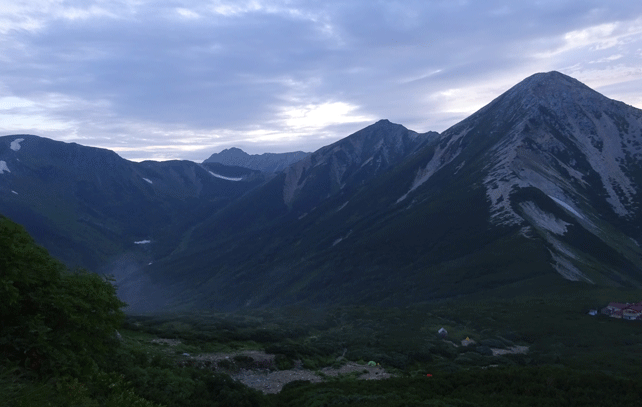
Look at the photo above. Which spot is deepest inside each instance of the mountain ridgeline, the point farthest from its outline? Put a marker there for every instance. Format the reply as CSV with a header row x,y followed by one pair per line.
x,y
267,162
540,186
88,206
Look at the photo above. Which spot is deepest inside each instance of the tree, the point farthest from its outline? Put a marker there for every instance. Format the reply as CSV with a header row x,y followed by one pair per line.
x,y
53,321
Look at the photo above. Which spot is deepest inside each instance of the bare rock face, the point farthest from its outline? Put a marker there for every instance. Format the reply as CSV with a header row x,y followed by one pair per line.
x,y
550,133
352,160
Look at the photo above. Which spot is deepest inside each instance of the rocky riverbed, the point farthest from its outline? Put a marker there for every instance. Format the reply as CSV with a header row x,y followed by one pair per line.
x,y
273,381
255,369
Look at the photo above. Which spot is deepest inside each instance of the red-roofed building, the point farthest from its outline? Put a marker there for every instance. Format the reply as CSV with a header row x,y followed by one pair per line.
x,y
632,312
614,309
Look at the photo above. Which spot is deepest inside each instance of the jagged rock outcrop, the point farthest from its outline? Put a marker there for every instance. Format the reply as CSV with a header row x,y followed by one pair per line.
x,y
352,161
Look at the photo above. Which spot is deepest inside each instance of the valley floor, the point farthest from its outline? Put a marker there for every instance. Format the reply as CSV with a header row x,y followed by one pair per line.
x,y
260,374
273,381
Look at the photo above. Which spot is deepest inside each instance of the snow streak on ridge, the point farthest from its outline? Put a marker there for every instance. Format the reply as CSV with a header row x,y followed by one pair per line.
x,y
15,144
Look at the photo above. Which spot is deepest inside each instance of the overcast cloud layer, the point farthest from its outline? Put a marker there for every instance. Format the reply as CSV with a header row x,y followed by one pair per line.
x,y
184,79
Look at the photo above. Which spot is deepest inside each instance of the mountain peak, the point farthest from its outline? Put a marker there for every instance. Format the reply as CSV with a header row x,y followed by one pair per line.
x,y
554,91
550,87
551,80
267,162
233,151
385,124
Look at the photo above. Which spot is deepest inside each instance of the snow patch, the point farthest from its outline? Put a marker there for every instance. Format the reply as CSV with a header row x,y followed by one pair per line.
x,y
15,144
342,206
459,167
148,180
3,167
143,242
14,192
543,219
567,207
225,178
339,240
367,161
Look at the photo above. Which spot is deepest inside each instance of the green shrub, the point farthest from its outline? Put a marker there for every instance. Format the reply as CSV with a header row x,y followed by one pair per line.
x,y
310,364
484,350
469,358
283,363
492,343
54,322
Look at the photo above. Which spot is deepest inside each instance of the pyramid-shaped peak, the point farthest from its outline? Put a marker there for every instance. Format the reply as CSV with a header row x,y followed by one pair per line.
x,y
551,79
551,76
547,85
551,89
384,123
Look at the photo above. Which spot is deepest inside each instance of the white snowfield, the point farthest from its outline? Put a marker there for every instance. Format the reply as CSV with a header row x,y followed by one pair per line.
x,y
148,180
143,242
15,144
225,178
543,219
3,167
14,192
567,207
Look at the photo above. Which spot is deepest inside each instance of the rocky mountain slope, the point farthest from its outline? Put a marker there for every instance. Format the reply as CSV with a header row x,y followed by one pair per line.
x,y
540,186
557,159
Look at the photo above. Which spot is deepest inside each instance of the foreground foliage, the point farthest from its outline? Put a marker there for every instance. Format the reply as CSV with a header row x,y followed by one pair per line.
x,y
59,346
54,322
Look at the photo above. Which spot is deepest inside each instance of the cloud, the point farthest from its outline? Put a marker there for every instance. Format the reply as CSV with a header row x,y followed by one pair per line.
x,y
180,79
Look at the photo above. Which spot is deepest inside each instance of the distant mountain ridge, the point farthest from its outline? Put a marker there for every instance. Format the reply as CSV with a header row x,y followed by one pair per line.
x,y
543,184
87,205
267,162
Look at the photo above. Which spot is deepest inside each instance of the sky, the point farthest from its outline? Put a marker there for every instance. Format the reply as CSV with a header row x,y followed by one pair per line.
x,y
160,80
